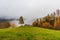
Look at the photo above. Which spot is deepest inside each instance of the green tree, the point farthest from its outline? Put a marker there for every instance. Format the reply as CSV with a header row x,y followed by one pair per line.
x,y
21,20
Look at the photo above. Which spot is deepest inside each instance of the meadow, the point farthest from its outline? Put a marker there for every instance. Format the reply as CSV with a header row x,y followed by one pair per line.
x,y
29,33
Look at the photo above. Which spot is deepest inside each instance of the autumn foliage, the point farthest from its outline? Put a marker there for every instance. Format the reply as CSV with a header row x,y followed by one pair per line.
x,y
4,24
49,21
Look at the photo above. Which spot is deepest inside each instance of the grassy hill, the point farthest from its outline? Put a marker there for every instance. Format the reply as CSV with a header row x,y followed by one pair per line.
x,y
29,33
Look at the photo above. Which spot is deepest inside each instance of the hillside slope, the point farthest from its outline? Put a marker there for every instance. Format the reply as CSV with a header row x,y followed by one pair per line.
x,y
29,33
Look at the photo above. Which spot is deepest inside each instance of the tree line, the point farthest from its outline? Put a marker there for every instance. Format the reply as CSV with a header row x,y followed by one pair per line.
x,y
50,21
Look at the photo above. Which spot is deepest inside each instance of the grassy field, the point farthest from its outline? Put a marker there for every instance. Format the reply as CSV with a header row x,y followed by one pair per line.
x,y
29,33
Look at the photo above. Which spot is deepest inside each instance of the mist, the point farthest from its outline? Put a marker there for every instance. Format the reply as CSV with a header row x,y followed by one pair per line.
x,y
29,9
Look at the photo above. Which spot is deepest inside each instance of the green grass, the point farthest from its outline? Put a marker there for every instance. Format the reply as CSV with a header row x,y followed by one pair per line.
x,y
29,33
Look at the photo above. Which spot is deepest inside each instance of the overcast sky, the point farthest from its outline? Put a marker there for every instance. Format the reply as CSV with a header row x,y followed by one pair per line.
x,y
28,8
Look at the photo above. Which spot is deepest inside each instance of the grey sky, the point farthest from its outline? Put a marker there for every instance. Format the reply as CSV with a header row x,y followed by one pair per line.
x,y
28,8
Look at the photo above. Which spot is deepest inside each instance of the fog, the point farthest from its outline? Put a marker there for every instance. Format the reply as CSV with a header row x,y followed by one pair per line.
x,y
29,9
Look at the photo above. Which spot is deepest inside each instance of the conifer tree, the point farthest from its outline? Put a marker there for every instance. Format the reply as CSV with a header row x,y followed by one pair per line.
x,y
21,20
